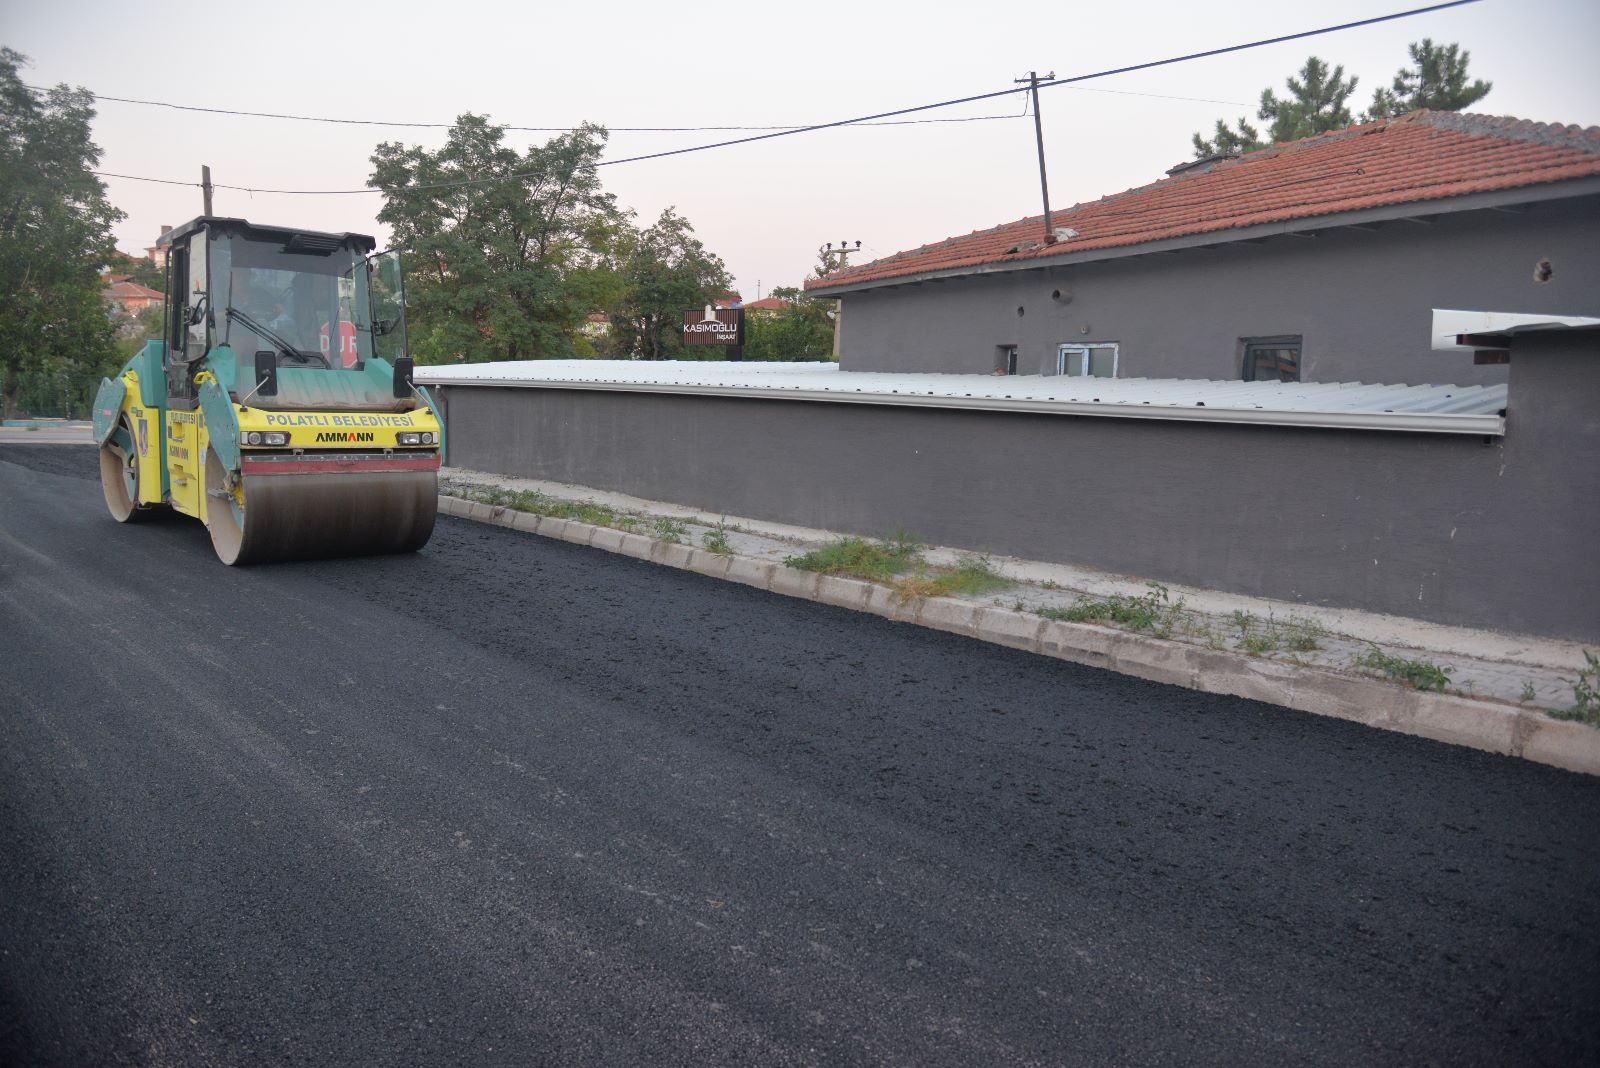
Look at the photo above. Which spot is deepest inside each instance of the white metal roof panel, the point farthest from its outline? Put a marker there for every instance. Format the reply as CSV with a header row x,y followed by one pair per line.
x,y
1351,405
1450,323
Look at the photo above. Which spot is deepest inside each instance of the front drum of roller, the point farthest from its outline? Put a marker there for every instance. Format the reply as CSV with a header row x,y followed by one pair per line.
x,y
313,516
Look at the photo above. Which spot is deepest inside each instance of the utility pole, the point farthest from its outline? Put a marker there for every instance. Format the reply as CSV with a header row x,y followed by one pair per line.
x,y
843,253
205,187
1038,133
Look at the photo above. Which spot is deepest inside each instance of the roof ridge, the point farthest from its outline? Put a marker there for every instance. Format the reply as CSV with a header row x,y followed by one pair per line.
x,y
1511,128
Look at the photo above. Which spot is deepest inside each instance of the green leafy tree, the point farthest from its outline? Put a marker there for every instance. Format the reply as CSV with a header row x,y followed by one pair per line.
x,y
1436,79
666,271
508,265
142,271
1317,103
55,234
801,331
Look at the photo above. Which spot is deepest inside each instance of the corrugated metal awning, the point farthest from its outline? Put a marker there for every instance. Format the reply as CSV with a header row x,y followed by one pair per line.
x,y
1442,409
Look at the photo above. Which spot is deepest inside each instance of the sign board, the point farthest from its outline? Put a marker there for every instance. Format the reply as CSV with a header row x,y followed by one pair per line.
x,y
713,326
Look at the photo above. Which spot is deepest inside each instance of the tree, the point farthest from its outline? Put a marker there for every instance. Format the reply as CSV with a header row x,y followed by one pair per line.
x,y
1316,104
507,252
55,234
143,271
1226,142
803,330
1436,79
666,271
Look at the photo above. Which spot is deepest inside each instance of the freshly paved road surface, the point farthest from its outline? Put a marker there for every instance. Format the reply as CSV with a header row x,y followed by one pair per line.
x,y
510,801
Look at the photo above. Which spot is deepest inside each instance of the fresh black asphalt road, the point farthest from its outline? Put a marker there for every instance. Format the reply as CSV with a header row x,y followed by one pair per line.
x,y
511,801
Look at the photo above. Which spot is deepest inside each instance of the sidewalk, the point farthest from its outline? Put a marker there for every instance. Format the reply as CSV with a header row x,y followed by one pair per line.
x,y
1470,687
45,432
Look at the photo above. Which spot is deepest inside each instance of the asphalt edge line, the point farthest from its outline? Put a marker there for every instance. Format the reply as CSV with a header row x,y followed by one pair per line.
x,y
1449,718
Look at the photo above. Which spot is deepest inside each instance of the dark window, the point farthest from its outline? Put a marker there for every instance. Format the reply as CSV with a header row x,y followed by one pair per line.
x,y
1272,359
1005,360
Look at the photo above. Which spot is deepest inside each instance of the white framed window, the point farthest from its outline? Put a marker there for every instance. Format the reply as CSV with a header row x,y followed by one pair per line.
x,y
1097,360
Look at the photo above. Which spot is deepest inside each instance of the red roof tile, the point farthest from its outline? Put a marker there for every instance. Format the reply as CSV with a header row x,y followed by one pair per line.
x,y
131,291
767,304
1420,156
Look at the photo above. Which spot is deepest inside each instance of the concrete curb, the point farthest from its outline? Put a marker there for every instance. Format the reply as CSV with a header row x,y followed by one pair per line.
x,y
1450,718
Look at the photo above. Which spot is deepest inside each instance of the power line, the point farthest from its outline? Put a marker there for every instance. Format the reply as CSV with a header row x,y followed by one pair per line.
x,y
866,119
611,129
518,129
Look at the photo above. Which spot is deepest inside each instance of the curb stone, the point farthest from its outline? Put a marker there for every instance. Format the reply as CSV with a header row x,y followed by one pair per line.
x,y
1449,718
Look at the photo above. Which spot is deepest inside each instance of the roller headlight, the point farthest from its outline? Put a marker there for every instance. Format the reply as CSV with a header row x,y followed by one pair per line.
x,y
408,437
266,437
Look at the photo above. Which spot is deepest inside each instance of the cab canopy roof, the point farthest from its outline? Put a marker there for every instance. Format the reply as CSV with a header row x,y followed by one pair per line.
x,y
306,241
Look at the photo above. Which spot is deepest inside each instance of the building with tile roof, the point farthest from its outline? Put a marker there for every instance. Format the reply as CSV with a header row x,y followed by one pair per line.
x,y
1315,260
129,298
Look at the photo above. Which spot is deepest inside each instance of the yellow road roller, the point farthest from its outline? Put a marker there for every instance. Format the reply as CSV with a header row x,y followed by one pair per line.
x,y
278,408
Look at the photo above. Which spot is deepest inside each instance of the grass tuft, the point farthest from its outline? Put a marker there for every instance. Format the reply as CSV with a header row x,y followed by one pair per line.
x,y
1154,612
716,539
1421,674
876,561
1585,694
971,576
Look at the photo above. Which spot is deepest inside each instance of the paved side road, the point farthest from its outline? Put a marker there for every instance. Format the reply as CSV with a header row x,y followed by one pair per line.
x,y
510,801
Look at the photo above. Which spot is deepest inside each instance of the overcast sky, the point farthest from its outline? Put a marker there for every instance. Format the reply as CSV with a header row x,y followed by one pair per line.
x,y
765,208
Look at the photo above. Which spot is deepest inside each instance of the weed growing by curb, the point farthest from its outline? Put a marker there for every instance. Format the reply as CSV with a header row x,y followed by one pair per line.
x,y
971,576
1585,694
669,530
1304,635
1421,674
593,513
875,561
1297,635
1154,612
716,539
1528,693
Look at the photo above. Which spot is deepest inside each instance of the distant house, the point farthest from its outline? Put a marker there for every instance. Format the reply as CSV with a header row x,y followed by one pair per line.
x,y
768,306
130,299
1314,260
597,324
157,253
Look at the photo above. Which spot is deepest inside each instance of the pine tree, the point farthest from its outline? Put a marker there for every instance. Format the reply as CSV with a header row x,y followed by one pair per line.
x,y
1436,79
1316,104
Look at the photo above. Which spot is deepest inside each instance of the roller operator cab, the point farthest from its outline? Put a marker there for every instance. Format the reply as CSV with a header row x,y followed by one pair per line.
x,y
278,407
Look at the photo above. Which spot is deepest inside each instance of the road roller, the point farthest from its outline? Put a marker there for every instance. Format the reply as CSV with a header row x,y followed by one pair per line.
x,y
278,407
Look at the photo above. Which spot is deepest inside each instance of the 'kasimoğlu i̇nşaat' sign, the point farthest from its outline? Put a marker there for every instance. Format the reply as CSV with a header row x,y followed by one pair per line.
x,y
712,326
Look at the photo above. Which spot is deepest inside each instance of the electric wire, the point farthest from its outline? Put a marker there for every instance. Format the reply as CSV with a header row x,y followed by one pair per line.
x,y
610,129
860,120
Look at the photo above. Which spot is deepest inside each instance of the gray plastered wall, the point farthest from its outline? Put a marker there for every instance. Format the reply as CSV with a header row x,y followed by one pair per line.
x,y
1362,300
1496,533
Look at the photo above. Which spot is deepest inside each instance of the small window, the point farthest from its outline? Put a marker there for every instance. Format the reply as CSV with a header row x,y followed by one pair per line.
x,y
1098,360
1005,359
1272,359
